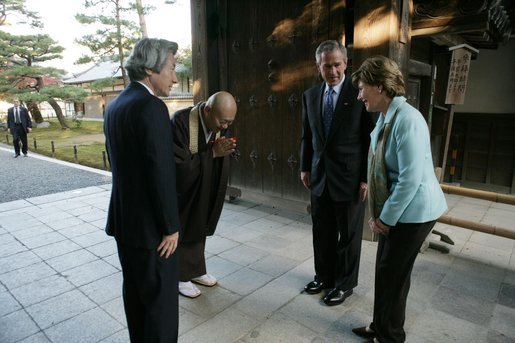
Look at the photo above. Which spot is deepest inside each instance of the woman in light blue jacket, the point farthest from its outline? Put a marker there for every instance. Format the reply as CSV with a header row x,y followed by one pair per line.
x,y
405,198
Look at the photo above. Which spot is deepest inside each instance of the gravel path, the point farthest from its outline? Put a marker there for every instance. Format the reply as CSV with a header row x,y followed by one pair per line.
x,y
35,175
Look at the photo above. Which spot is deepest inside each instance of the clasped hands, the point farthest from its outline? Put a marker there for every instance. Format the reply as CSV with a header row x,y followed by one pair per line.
x,y
224,146
378,227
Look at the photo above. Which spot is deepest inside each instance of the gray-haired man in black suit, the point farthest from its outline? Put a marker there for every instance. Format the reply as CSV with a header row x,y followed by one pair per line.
x,y
143,215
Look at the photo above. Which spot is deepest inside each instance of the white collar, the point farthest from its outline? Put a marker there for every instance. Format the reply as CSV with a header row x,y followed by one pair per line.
x,y
336,88
147,87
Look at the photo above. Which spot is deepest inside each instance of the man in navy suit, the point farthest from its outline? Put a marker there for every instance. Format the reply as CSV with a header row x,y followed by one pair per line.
x,y
19,124
334,146
143,215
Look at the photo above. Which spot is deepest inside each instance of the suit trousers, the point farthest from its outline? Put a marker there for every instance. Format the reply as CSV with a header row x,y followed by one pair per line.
x,y
150,294
192,262
19,134
395,258
337,233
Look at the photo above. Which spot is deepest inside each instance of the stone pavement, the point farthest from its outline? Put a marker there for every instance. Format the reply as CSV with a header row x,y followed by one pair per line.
x,y
60,278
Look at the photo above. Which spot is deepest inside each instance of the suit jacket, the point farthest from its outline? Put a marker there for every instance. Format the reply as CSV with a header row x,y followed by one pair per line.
x,y
201,180
415,194
139,142
24,118
338,162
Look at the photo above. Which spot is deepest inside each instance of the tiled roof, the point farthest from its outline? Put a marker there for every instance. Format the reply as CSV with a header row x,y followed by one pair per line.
x,y
102,70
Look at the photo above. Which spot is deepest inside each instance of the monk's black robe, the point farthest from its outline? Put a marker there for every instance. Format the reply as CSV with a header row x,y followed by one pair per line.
x,y
201,186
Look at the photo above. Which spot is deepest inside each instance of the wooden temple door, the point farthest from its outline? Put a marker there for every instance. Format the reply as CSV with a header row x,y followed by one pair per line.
x,y
266,59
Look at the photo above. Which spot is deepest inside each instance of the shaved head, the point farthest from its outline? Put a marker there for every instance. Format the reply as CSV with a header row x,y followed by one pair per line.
x,y
220,111
222,102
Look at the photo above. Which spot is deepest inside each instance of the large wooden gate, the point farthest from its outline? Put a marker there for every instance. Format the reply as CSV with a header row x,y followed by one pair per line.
x,y
263,52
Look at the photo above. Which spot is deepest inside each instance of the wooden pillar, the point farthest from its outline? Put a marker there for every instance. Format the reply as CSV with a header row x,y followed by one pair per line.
x,y
383,28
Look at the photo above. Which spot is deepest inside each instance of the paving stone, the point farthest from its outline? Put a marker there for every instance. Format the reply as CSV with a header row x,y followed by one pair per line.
x,y
9,303
59,308
14,205
244,281
89,272
265,300
212,301
113,260
25,275
56,249
16,326
104,289
17,261
463,305
78,230
60,224
220,267
18,221
438,326
273,265
104,249
507,295
243,255
281,328
239,234
41,290
91,238
6,238
502,322
71,260
91,326
43,239
264,225
489,255
37,338
188,320
235,324
216,245
32,231
121,336
115,309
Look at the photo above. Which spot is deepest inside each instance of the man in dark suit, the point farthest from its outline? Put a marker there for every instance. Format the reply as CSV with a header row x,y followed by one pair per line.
x,y
143,215
19,124
334,146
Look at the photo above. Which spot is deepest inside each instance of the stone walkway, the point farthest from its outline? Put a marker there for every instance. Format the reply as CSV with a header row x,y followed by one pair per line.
x,y
60,278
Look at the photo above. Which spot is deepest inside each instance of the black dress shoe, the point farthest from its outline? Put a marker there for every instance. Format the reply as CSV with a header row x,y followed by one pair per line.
x,y
16,155
362,332
314,287
336,296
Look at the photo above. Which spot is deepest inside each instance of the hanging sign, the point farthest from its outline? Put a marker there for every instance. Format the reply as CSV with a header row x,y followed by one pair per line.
x,y
458,74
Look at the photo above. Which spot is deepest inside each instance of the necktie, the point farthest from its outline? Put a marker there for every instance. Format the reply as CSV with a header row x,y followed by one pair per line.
x,y
17,117
328,111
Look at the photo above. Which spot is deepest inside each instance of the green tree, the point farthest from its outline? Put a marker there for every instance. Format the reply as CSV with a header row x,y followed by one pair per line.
x,y
21,75
185,73
17,8
115,35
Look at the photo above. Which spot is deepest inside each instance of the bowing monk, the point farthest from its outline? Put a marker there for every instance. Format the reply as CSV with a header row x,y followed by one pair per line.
x,y
202,147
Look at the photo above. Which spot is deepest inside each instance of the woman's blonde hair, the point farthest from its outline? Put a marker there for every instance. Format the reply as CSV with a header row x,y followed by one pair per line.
x,y
381,71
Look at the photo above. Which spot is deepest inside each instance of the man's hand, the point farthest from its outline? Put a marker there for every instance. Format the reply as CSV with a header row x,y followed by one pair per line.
x,y
305,177
29,129
363,191
224,147
168,245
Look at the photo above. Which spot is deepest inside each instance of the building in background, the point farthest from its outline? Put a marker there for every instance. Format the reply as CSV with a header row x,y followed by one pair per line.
x,y
104,82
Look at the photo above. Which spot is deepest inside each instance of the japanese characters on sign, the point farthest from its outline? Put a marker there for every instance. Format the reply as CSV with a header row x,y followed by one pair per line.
x,y
458,75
